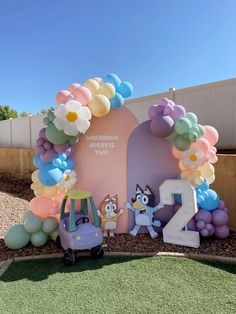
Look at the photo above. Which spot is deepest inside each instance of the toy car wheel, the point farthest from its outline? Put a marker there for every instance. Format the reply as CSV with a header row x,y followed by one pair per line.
x,y
97,252
69,257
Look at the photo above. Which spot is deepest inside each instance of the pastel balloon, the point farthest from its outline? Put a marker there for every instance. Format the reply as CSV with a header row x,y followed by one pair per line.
x,y
40,206
211,179
191,117
202,144
37,161
48,155
164,102
220,217
152,111
117,101
211,135
181,144
207,170
39,238
113,79
49,225
125,89
222,232
107,89
59,148
92,85
83,95
32,224
99,106
34,176
177,153
182,126
54,135
73,87
162,126
63,96
203,215
16,237
49,174
98,79
42,134
193,136
200,224
54,235
178,112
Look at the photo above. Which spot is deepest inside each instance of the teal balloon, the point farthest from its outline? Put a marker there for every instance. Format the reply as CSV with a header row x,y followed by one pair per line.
x,y
51,116
182,126
125,89
46,121
32,223
172,136
113,79
16,237
49,225
54,234
191,117
54,135
39,238
201,130
116,101
181,144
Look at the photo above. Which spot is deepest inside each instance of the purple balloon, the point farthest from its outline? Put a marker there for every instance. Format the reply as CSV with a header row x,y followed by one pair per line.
x,y
168,109
178,112
162,126
42,133
191,225
40,141
204,232
203,215
152,111
221,205
164,102
200,225
40,150
211,229
70,151
222,232
219,217
47,145
49,155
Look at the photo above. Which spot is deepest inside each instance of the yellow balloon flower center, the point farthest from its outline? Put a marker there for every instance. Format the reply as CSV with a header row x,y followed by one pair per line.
x,y
71,116
67,178
193,157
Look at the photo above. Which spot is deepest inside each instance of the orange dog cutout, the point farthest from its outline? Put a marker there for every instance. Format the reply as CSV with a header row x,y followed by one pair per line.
x,y
109,215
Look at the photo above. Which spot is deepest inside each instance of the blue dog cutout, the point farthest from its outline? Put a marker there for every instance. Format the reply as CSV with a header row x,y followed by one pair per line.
x,y
144,209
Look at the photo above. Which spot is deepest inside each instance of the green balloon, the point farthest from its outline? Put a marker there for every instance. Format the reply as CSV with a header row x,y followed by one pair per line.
x,y
193,137
51,116
16,237
39,238
73,139
46,121
54,135
54,235
181,144
201,130
32,223
172,136
49,225
182,126
191,117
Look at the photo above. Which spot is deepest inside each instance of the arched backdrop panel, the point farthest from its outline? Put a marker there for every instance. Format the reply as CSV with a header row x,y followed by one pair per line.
x,y
103,170
150,162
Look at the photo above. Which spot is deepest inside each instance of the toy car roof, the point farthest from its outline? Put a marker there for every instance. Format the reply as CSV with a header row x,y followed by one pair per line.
x,y
78,194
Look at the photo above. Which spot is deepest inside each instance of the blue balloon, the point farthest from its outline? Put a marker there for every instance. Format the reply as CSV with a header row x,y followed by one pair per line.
x,y
116,101
49,174
113,79
57,162
37,161
70,164
208,199
125,89
62,156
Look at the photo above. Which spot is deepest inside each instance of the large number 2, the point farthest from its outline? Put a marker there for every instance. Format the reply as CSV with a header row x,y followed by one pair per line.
x,y
173,232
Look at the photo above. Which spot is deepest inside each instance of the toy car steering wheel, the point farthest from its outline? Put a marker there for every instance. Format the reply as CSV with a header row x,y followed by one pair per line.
x,y
84,220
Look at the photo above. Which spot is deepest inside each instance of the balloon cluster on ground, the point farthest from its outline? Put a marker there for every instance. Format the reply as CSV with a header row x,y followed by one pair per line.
x,y
193,146
32,230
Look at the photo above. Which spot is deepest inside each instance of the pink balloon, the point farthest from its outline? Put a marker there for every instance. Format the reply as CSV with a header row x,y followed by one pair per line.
x,y
202,144
211,135
177,153
83,95
40,206
63,96
73,87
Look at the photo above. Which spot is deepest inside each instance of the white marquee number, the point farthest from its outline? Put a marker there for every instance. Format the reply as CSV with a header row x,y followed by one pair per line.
x,y
173,232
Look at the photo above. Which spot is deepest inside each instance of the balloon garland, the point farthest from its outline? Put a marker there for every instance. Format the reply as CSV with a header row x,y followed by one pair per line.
x,y
193,146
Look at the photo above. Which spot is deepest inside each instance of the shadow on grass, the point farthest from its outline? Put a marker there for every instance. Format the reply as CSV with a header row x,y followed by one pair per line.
x,y
38,270
227,267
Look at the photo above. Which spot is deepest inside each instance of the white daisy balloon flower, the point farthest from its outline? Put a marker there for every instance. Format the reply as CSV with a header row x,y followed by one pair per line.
x,y
193,158
72,118
68,179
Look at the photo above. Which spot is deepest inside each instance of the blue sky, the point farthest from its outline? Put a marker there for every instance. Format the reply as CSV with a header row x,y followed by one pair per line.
x,y
155,44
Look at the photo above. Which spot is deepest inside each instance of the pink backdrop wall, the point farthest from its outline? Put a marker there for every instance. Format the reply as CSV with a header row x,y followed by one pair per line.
x,y
101,164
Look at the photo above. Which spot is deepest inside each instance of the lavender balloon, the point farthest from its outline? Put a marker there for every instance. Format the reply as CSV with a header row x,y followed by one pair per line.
x,y
162,126
178,112
222,232
219,217
203,215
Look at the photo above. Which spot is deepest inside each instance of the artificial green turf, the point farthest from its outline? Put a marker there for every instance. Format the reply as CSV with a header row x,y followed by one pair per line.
x,y
119,285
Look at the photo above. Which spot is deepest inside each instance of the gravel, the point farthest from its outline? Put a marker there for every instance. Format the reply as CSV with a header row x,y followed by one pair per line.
x,y
14,199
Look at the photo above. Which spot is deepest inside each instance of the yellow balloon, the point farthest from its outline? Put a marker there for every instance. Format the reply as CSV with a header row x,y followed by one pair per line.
x,y
211,180
34,176
181,166
207,170
92,85
99,106
107,89
98,79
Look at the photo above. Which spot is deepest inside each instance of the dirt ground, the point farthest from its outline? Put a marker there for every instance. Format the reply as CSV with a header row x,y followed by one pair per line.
x,y
14,199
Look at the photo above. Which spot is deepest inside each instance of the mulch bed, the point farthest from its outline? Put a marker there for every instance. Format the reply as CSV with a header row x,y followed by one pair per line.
x,y
14,198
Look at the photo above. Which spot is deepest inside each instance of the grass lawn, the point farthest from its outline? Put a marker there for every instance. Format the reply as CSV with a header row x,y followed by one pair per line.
x,y
119,285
